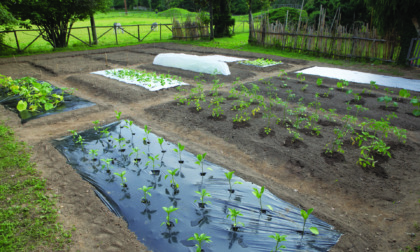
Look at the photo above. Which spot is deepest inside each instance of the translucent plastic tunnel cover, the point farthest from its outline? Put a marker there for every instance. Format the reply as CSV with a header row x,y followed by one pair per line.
x,y
145,219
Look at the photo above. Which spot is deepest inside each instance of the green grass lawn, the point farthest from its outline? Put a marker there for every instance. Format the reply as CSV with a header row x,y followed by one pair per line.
x,y
27,213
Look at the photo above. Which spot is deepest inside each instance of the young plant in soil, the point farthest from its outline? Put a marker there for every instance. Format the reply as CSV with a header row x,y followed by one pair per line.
x,y
258,193
295,135
229,176
146,192
123,178
200,163
81,141
359,109
416,103
197,95
283,75
121,143
203,193
300,77
305,216
388,101
104,133
300,116
331,114
200,238
179,151
172,181
93,154
107,164
181,95
135,150
319,82
327,94
404,93
117,115
278,238
290,95
268,114
372,86
147,132
160,141
216,86
168,221
217,110
303,89
153,159
74,134
233,214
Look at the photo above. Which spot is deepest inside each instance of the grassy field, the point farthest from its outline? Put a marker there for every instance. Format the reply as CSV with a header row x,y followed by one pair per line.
x,y
28,214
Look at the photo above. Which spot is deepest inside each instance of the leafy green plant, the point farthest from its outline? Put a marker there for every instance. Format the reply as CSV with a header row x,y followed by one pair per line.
x,y
200,163
147,132
107,164
117,115
233,214
404,93
217,110
168,211
200,238
295,135
153,159
80,140
97,126
93,153
179,151
160,141
278,238
123,178
372,86
129,125
327,94
203,194
303,89
74,134
135,150
283,75
388,101
146,192
319,82
172,173
261,62
416,102
305,216
300,77
258,193
229,176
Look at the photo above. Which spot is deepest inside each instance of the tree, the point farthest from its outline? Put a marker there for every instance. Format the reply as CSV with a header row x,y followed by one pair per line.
x,y
6,22
396,16
95,6
222,18
54,18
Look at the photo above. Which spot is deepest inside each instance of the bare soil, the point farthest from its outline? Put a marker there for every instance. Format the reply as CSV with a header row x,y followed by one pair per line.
x,y
375,209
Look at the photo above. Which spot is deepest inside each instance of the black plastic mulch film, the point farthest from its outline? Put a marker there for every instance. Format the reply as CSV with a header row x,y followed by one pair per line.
x,y
145,219
71,102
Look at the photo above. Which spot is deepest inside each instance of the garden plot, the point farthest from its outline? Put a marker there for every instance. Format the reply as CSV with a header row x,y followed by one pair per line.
x,y
261,62
149,81
361,77
15,71
65,65
120,159
209,64
122,58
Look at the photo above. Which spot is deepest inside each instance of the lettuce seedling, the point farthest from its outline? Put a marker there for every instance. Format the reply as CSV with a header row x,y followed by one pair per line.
x,y
278,238
169,210
229,176
305,216
146,192
199,239
123,178
233,214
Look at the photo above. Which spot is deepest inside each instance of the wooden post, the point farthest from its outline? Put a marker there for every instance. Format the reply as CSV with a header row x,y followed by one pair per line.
x,y
90,42
116,36
138,32
160,31
17,41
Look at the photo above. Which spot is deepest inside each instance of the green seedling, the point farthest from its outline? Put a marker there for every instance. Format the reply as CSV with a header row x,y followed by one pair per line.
x,y
146,192
93,153
203,194
147,132
168,221
233,214
200,239
295,135
123,178
229,176
327,94
97,126
388,101
153,159
258,193
74,134
179,151
303,89
117,115
129,125
104,132
319,82
135,150
404,93
359,109
107,164
121,143
283,75
300,77
278,238
416,103
172,173
200,163
372,86
160,141
81,141
305,216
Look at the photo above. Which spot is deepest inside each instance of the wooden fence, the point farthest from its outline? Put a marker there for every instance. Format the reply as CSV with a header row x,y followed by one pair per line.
x,y
413,56
335,41
189,30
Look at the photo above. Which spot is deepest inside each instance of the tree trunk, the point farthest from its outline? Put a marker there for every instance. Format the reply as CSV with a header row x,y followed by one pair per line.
x,y
211,20
125,5
92,24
